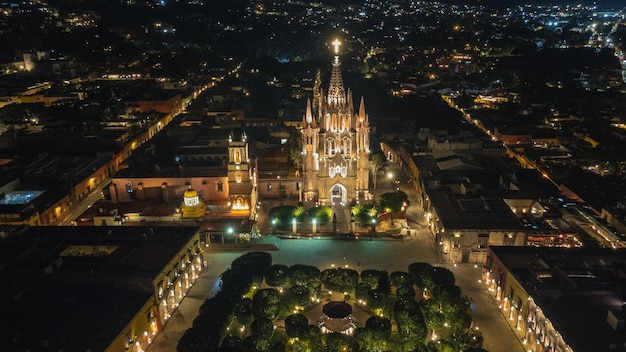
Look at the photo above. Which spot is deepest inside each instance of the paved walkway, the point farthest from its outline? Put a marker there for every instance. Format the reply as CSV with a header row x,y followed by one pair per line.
x,y
384,255
381,253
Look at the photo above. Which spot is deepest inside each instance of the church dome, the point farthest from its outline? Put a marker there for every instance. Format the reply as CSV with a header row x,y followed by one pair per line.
x,y
190,193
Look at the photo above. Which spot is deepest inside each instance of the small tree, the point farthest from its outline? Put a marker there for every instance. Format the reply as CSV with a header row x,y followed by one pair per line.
x,y
393,202
339,279
321,214
296,325
401,278
277,275
265,304
243,311
377,161
380,326
262,328
298,296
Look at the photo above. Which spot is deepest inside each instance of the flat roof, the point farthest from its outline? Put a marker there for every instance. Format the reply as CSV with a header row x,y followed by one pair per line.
x,y
588,279
78,287
19,197
70,316
142,252
466,212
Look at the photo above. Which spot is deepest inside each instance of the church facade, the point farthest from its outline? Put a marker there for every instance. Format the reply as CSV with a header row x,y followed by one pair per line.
x,y
335,145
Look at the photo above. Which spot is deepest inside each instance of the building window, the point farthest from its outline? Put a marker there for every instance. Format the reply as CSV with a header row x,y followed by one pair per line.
x,y
237,157
220,186
129,187
456,242
238,176
509,240
297,186
269,187
483,240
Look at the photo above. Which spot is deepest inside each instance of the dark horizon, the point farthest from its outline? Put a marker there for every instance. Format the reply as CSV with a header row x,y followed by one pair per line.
x,y
507,3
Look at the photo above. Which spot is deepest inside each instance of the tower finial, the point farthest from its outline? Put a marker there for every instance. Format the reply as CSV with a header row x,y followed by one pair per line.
x,y
308,116
336,44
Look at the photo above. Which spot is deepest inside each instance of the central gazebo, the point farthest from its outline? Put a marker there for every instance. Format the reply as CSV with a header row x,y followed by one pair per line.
x,y
337,317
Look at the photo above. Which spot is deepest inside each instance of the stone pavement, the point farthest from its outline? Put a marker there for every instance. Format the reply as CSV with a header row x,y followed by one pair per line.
x,y
497,333
381,254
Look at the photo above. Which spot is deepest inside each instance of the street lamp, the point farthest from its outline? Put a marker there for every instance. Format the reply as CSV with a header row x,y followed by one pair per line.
x,y
293,225
314,225
274,226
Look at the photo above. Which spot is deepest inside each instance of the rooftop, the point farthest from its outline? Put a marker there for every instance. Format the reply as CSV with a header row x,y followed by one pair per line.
x,y
589,280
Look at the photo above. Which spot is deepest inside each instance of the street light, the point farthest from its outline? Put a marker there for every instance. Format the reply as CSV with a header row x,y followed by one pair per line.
x,y
274,226
314,225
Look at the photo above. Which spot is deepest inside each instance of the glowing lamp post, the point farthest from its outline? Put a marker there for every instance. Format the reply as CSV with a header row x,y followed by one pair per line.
x,y
293,225
274,226
230,231
314,226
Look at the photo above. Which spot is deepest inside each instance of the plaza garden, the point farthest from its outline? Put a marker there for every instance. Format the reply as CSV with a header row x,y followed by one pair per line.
x,y
271,307
286,218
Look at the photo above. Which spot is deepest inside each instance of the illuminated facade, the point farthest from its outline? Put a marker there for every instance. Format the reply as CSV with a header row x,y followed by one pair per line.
x,y
335,145
239,174
193,206
226,187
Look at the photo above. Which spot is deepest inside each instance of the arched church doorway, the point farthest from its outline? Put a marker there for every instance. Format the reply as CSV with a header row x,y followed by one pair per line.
x,y
338,195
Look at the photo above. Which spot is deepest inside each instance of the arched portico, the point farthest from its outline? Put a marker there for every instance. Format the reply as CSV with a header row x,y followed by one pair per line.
x,y
338,195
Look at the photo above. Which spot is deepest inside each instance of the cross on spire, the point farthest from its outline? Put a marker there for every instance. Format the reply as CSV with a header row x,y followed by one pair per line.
x,y
336,44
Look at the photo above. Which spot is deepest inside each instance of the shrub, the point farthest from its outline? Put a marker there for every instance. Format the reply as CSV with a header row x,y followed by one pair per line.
x,y
296,325
364,213
340,279
380,326
243,311
300,274
361,290
322,214
283,215
405,293
298,296
277,275
265,304
401,278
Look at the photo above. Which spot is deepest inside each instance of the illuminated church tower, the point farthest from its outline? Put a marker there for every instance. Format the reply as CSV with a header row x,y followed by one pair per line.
x,y
239,174
335,145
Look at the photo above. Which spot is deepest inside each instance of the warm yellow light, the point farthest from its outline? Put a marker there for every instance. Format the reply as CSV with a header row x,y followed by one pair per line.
x,y
336,44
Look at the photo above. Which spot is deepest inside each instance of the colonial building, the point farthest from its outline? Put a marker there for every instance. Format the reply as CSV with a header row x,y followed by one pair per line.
x,y
110,288
208,179
335,145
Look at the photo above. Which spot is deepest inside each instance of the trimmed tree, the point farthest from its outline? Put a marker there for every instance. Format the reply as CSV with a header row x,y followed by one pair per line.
x,y
243,311
277,275
265,304
401,278
298,296
297,325
339,279
380,326
321,214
